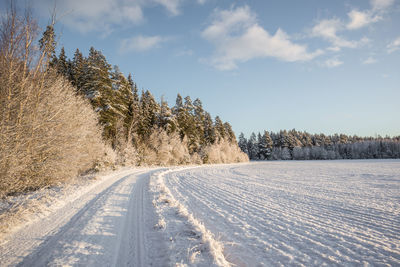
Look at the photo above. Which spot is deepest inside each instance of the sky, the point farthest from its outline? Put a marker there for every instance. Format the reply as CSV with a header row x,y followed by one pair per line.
x,y
317,66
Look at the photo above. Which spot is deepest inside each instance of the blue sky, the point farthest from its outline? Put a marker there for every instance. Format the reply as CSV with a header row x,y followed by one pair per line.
x,y
319,66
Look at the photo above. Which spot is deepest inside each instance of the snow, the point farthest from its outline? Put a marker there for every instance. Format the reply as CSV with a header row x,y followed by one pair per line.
x,y
296,213
31,207
190,243
91,226
305,213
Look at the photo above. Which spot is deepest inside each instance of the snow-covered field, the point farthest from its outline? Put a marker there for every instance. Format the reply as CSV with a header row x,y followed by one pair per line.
x,y
308,213
296,213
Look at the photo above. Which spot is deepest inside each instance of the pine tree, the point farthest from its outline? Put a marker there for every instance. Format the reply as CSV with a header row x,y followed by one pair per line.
x,y
292,139
243,143
97,86
306,139
262,147
252,147
283,139
219,128
122,101
230,135
133,88
78,70
343,139
189,126
209,130
166,120
199,116
179,112
149,110
317,140
135,111
268,143
97,81
47,44
62,65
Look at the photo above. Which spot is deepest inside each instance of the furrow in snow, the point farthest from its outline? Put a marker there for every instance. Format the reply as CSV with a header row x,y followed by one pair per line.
x,y
318,222
341,212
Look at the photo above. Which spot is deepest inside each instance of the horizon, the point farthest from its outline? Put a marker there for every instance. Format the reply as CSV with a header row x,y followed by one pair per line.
x,y
319,133
315,67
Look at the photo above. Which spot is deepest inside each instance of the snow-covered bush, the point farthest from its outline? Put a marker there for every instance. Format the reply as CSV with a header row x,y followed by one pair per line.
x,y
49,138
224,151
47,133
125,152
164,149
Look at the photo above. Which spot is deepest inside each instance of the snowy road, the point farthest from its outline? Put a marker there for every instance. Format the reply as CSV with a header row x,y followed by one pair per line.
x,y
313,213
111,225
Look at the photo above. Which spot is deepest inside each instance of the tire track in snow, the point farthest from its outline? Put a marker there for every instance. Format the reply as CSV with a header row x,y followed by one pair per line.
x,y
42,255
132,250
108,230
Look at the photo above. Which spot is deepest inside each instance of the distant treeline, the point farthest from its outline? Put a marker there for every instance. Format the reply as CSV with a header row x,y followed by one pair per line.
x,y
297,145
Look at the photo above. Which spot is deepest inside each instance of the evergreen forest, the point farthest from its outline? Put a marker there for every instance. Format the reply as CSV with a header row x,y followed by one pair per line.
x,y
298,145
136,119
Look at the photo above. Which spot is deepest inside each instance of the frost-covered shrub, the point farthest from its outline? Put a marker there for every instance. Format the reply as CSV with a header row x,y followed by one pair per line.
x,y
196,159
50,137
47,133
125,153
108,159
168,149
224,151
164,149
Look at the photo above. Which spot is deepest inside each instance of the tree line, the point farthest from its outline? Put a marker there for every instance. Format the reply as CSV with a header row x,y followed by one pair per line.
x,y
129,117
61,117
298,145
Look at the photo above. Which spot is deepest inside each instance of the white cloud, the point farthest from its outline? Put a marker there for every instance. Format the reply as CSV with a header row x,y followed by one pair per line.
x,y
381,4
359,19
333,62
393,46
94,15
238,38
369,60
171,5
328,29
103,15
141,43
229,21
